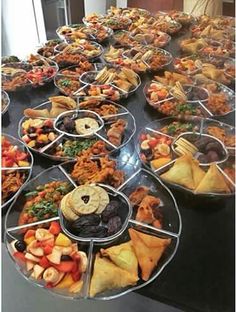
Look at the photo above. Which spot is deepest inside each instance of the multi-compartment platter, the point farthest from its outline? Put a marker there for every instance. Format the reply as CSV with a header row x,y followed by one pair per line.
x,y
43,267
44,136
211,144
16,167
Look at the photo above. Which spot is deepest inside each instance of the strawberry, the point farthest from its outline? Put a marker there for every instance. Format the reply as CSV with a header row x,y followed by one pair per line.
x,y
49,285
47,249
76,275
55,228
152,143
20,256
75,267
64,266
44,262
29,233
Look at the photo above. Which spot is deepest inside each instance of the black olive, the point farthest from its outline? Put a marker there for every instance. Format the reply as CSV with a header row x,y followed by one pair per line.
x,y
110,211
114,225
20,245
66,258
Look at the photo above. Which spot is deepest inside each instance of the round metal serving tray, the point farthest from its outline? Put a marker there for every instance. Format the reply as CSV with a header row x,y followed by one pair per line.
x,y
199,125
172,226
49,150
26,170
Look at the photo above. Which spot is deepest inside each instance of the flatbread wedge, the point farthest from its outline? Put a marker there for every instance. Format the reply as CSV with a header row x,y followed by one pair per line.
x,y
181,172
213,182
148,249
107,276
123,256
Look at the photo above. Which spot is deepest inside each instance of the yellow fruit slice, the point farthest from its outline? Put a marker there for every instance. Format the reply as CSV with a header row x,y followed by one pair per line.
x,y
66,282
63,240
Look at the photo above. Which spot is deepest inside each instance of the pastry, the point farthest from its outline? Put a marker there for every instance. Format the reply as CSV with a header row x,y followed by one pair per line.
x,y
123,256
145,209
198,173
107,276
213,182
148,249
181,172
138,195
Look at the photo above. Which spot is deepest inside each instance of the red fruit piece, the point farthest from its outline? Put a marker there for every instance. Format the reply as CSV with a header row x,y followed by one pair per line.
x,y
76,275
48,242
19,255
49,285
64,266
44,262
152,143
47,249
29,233
55,228
143,137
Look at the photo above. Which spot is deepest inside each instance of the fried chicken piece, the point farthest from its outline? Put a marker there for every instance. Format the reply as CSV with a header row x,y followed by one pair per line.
x,y
138,195
116,131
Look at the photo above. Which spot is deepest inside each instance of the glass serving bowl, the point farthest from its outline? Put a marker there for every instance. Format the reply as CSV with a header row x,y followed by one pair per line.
x,y
171,128
24,170
171,229
64,147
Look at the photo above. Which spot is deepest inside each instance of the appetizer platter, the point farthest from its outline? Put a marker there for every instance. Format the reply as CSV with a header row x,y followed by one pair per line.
x,y
67,79
16,167
140,59
24,74
170,147
111,82
68,251
73,32
61,129
113,22
197,96
5,102
181,17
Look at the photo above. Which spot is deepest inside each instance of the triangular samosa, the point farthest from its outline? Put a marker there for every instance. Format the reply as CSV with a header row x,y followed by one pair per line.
x,y
198,173
213,182
181,172
123,256
148,249
107,276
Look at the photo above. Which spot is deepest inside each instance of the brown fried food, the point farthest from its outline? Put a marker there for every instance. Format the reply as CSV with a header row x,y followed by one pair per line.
x,y
138,195
101,170
116,132
11,183
145,209
101,108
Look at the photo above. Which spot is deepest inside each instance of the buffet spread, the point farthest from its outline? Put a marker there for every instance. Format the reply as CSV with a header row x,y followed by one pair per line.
x,y
95,225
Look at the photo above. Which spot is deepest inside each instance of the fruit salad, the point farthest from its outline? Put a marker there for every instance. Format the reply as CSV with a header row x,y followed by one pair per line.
x,y
156,92
38,132
49,256
155,149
